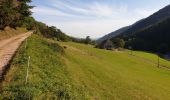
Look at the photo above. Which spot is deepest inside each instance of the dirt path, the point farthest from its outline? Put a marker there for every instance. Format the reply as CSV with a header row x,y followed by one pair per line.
x,y
8,48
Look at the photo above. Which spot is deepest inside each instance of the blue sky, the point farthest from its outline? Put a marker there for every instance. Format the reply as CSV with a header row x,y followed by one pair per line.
x,y
95,18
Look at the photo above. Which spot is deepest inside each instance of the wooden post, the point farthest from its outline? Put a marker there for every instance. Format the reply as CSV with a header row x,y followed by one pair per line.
x,y
27,70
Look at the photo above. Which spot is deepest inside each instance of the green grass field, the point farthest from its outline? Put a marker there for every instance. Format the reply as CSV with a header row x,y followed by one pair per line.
x,y
82,72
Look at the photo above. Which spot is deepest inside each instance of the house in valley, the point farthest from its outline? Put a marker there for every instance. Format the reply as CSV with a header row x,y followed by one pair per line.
x,y
107,44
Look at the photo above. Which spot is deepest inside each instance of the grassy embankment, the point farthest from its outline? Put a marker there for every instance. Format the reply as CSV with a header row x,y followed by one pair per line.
x,y
83,72
47,73
9,32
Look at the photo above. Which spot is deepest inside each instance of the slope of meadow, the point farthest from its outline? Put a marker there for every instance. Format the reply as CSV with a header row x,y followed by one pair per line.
x,y
83,72
117,75
47,73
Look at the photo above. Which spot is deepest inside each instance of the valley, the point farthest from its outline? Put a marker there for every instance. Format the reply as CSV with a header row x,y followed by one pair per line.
x,y
54,50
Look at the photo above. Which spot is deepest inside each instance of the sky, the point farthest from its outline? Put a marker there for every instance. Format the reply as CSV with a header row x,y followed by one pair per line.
x,y
94,18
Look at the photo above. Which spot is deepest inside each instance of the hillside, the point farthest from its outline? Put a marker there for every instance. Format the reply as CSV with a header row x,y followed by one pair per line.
x,y
47,73
113,34
84,72
144,23
151,20
154,38
50,65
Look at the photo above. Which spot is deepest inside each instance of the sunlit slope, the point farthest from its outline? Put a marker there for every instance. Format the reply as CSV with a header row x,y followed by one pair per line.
x,y
116,75
81,72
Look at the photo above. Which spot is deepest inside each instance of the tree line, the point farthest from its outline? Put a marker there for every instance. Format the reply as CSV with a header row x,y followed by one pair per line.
x,y
17,13
13,12
86,40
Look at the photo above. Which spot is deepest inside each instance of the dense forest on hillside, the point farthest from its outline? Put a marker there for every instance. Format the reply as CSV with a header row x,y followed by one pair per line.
x,y
149,34
154,38
155,18
113,34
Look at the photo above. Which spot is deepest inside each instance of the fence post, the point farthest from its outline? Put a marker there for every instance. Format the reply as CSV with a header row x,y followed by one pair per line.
x,y
27,70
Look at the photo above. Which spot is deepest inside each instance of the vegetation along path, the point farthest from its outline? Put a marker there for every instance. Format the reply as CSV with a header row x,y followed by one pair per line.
x,y
8,48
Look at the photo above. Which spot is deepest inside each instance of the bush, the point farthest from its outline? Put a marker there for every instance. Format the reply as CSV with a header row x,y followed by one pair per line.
x,y
119,43
51,32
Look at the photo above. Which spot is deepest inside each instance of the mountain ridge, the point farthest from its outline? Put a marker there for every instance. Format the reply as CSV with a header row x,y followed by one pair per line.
x,y
156,17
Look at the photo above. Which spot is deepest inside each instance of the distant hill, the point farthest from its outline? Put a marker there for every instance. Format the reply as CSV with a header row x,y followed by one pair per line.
x,y
113,34
144,23
155,38
151,20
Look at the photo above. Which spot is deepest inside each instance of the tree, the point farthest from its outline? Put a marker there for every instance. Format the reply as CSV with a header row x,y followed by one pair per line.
x,y
24,12
119,42
27,22
51,32
7,13
87,40
12,11
24,9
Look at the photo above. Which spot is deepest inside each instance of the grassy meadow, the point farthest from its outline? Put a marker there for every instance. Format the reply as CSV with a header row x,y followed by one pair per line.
x,y
81,72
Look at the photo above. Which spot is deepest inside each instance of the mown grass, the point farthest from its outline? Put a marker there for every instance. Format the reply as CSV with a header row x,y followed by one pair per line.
x,y
48,77
81,72
9,32
109,75
152,57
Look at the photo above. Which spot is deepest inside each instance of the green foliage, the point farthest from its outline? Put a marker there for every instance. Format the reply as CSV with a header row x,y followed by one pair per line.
x,y
17,14
7,13
11,12
155,18
153,39
87,40
119,42
24,9
51,32
78,40
27,22
48,76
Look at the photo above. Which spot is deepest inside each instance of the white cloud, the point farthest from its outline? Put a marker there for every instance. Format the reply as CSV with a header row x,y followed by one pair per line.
x,y
67,7
94,9
49,11
100,10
